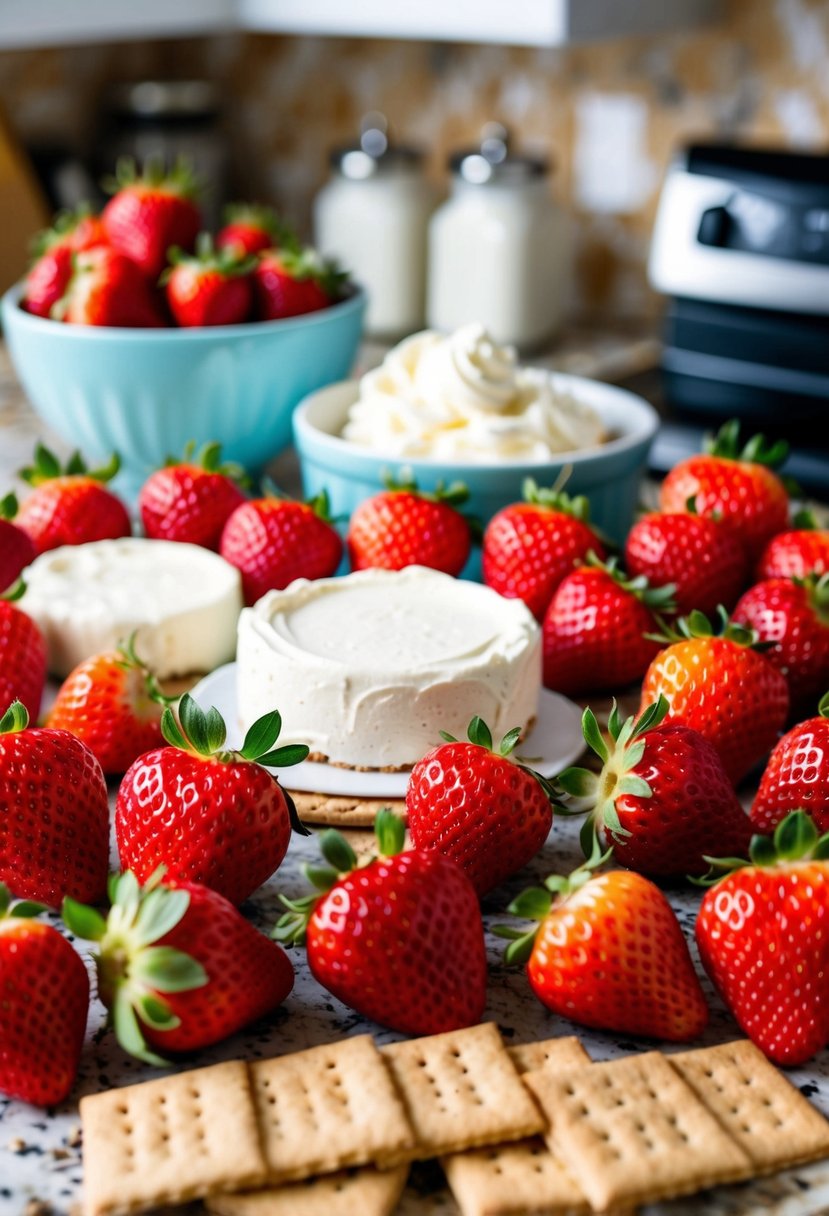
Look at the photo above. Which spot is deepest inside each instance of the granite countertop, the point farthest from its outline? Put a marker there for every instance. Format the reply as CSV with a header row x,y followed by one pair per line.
x,y
40,1152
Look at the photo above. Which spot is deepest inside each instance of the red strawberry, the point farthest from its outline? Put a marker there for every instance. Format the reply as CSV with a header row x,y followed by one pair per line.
x,y
55,841
55,248
662,800
178,967
738,485
273,541
252,229
22,656
595,628
44,1007
71,505
797,775
478,807
151,213
17,550
112,703
399,939
762,939
205,813
722,687
794,617
530,546
704,561
107,288
290,282
209,287
74,230
191,500
795,554
609,953
404,526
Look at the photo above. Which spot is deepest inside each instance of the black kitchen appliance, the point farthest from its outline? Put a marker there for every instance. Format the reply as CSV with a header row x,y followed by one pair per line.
x,y
741,247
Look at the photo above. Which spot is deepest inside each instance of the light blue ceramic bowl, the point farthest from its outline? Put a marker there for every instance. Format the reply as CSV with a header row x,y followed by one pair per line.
x,y
609,475
145,392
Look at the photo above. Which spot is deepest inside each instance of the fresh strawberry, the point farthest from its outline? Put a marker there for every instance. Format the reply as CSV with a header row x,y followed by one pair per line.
x,y
399,939
107,288
151,213
113,704
721,686
404,526
22,656
252,229
608,953
797,775
273,541
761,936
191,500
792,615
662,800
73,230
178,967
55,840
737,484
704,561
478,807
290,282
596,626
530,546
54,249
43,1009
70,505
204,812
796,554
17,550
210,286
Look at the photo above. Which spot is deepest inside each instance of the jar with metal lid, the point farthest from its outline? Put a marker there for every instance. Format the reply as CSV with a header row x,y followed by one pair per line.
x,y
373,216
498,247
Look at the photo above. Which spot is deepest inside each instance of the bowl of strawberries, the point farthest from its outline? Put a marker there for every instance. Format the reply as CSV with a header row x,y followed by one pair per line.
x,y
136,331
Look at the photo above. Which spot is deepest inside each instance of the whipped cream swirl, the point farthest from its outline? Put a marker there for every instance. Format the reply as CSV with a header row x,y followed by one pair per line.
x,y
464,397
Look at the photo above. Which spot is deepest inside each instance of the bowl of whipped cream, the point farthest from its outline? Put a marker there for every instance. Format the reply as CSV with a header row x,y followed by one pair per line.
x,y
460,407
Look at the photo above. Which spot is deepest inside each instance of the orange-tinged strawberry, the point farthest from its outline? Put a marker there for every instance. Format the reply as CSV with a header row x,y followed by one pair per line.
x,y
736,484
404,526
22,656
206,813
722,687
70,505
178,967
608,952
191,500
763,936
44,1003
797,775
398,938
152,212
113,704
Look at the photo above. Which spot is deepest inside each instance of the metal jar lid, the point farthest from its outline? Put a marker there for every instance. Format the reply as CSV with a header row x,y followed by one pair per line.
x,y
493,161
374,154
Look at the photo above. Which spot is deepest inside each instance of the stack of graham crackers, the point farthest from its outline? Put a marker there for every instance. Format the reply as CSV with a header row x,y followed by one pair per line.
x,y
537,1128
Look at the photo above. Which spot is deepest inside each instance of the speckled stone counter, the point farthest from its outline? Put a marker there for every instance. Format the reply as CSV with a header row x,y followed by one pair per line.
x,y
40,1151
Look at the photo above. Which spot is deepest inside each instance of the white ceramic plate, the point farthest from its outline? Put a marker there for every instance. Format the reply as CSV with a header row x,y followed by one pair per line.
x,y
554,742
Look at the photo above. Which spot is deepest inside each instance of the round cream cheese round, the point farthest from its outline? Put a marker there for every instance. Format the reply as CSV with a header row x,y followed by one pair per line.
x,y
369,668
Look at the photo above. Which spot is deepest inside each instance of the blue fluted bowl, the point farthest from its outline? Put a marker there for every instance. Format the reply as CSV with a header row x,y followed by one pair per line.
x,y
145,393
609,475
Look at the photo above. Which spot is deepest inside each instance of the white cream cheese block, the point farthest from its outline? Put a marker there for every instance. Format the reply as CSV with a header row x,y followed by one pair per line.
x,y
369,668
182,601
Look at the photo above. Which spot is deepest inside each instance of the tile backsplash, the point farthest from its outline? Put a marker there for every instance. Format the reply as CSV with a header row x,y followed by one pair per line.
x,y
609,114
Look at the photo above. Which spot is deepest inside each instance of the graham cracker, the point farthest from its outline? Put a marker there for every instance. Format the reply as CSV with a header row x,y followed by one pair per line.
x,y
513,1179
168,1141
632,1131
327,1108
367,1191
343,812
461,1090
565,1052
770,1119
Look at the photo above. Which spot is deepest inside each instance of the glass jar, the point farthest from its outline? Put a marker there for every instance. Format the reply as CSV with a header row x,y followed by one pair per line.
x,y
373,216
498,247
